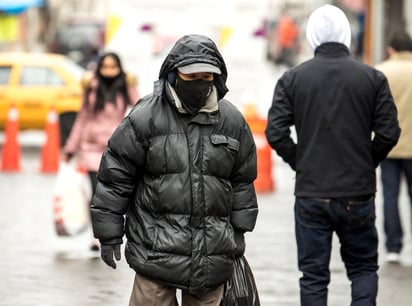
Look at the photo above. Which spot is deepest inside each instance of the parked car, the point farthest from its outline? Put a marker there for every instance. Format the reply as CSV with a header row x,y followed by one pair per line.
x,y
35,82
79,37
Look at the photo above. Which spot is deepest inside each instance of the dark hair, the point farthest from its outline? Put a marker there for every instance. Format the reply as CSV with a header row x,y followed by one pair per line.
x,y
120,84
401,41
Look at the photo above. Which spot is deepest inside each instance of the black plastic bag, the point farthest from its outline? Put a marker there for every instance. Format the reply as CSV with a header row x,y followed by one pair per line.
x,y
240,289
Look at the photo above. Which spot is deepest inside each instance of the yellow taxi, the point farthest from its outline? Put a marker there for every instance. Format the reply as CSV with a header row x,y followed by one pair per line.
x,y
35,82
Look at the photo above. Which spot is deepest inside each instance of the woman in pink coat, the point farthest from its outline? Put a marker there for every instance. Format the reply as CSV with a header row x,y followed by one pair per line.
x,y
107,94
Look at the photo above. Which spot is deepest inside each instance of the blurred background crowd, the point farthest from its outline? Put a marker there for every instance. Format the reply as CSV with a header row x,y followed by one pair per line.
x,y
256,37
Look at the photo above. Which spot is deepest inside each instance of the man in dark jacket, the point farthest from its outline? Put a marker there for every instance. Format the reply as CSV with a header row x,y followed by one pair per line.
x,y
346,123
180,168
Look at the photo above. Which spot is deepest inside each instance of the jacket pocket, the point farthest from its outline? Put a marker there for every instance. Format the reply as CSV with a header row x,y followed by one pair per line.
x,y
229,142
219,155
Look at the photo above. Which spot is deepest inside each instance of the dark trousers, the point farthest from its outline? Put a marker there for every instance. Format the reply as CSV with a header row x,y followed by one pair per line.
x,y
353,220
391,173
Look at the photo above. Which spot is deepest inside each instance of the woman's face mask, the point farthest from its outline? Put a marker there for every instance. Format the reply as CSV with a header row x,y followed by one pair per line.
x,y
109,80
193,94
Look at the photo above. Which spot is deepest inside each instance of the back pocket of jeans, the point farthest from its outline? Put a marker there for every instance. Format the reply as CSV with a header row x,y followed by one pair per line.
x,y
361,214
312,212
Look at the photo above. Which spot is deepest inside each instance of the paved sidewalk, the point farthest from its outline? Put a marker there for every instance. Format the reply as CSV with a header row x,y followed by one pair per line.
x,y
38,268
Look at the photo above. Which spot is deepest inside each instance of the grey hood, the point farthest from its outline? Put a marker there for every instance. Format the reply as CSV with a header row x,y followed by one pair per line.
x,y
328,23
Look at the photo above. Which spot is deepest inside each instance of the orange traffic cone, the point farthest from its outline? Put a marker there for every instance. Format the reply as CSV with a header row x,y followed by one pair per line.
x,y
11,148
264,181
50,155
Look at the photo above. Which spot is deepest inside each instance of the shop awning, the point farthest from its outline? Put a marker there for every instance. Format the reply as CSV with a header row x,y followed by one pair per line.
x,y
18,6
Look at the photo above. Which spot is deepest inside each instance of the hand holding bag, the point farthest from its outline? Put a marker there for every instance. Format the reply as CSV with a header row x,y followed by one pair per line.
x,y
240,289
71,200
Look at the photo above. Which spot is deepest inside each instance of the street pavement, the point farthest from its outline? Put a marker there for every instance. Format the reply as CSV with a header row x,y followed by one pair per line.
x,y
37,268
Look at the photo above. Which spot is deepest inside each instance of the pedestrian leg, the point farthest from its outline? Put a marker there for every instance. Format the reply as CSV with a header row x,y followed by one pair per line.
x,y
314,243
147,292
359,249
407,169
390,174
212,298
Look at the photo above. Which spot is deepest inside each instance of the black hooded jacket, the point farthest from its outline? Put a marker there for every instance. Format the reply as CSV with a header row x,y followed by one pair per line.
x,y
185,183
345,120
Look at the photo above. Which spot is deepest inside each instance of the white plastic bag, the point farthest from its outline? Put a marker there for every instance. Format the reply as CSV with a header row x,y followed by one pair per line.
x,y
72,195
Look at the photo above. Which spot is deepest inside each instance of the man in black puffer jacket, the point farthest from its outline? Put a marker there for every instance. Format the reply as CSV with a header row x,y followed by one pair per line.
x,y
180,168
346,123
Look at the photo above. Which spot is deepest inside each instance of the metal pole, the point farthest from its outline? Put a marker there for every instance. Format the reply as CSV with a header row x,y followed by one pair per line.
x,y
368,35
378,25
408,15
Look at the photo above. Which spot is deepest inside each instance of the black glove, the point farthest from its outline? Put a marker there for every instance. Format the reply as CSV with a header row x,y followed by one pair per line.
x,y
107,251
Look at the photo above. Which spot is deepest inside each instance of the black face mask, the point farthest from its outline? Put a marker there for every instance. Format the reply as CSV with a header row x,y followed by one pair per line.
x,y
109,80
193,94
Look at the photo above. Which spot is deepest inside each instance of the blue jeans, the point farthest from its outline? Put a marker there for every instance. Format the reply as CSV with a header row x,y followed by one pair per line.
x,y
391,172
353,220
